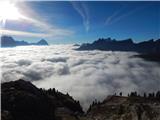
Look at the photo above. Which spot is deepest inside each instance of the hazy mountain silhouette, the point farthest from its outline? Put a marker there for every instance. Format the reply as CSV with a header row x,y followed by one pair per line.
x,y
8,41
42,42
146,47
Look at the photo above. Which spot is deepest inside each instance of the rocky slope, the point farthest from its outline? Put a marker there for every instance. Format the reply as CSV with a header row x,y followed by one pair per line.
x,y
125,108
21,100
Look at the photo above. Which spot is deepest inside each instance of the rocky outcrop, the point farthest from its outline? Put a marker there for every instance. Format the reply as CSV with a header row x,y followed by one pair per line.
x,y
125,108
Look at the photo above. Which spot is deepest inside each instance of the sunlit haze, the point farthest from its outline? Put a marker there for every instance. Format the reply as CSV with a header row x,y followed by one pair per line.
x,y
8,11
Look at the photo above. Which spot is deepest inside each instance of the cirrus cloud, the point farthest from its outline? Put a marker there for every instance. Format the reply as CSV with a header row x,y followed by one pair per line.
x,y
83,11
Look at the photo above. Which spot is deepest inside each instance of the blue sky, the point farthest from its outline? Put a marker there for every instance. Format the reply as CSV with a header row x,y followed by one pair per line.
x,y
79,22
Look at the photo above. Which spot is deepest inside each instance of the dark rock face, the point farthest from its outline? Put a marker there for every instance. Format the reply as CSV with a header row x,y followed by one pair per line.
x,y
7,41
23,101
109,44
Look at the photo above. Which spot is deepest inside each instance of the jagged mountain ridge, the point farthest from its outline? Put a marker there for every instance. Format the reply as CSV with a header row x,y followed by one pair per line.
x,y
109,44
8,41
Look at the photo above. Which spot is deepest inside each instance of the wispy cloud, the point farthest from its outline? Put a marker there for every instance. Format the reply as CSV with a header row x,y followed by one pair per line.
x,y
44,29
22,33
110,19
116,16
82,9
49,29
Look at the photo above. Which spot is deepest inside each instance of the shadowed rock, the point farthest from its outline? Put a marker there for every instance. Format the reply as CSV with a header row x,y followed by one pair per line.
x,y
21,100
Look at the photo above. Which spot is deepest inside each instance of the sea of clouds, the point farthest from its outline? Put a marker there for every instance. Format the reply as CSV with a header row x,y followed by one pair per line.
x,y
86,75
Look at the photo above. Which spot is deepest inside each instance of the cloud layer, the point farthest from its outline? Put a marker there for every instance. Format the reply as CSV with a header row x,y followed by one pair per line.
x,y
86,75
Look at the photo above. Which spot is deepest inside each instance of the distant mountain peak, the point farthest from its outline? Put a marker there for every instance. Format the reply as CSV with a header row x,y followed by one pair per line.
x,y
6,37
42,42
8,41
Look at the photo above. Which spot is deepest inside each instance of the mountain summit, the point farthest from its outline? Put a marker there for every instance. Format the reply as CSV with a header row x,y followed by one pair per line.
x,y
42,42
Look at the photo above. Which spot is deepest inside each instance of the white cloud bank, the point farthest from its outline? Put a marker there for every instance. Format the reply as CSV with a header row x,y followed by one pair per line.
x,y
86,75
